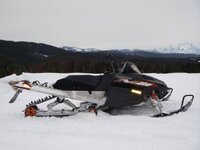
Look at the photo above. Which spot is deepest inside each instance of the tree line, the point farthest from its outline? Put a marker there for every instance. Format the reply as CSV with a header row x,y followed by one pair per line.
x,y
97,66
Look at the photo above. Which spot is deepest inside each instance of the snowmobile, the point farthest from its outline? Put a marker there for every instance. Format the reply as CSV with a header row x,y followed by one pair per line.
x,y
107,92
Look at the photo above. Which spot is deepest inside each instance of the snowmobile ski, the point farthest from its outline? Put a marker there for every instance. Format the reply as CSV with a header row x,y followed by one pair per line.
x,y
183,107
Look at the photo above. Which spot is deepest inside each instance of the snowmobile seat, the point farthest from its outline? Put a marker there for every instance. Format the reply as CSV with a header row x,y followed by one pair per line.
x,y
84,82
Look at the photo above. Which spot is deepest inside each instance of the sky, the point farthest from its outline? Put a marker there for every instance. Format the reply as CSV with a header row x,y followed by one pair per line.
x,y
102,24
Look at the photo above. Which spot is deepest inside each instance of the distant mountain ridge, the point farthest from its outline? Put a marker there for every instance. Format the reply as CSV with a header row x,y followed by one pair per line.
x,y
183,48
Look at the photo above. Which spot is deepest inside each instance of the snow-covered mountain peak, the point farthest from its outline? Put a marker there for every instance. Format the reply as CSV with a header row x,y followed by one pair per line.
x,y
76,49
185,48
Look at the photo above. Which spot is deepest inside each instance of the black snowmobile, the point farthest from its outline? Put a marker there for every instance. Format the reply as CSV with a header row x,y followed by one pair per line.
x,y
106,92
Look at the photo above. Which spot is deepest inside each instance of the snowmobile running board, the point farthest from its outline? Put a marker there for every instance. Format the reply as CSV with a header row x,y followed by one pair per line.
x,y
183,107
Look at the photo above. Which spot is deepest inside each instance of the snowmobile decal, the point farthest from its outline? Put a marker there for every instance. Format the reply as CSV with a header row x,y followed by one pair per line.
x,y
141,83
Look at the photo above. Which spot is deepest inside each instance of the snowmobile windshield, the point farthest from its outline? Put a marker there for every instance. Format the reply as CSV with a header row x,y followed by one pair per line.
x,y
129,67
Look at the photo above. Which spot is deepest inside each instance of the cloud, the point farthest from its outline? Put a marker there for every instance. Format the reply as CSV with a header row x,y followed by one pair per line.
x,y
101,23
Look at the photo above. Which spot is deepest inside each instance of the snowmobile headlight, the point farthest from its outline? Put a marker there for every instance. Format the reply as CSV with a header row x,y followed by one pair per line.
x,y
136,91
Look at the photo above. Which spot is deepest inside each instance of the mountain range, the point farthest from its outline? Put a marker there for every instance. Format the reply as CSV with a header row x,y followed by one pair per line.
x,y
183,48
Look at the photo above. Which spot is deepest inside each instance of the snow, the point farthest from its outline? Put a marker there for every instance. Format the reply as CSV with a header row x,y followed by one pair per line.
x,y
129,130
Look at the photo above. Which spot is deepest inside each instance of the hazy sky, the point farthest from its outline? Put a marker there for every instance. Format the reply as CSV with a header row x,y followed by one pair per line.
x,y
101,23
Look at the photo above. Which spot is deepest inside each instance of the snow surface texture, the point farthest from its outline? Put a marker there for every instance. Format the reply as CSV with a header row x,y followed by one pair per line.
x,y
128,130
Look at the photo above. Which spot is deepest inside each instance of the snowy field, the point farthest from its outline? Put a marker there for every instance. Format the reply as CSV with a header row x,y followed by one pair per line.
x,y
127,131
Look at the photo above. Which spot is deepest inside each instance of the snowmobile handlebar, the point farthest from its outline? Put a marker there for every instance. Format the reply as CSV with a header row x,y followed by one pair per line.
x,y
110,57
